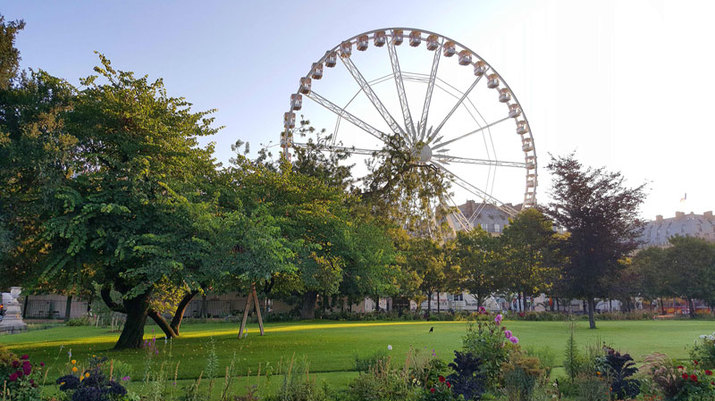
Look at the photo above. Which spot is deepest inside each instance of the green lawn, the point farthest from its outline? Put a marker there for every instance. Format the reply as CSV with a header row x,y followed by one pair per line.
x,y
331,347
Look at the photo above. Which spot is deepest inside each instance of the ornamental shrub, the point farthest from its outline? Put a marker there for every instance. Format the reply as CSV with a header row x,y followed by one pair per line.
x,y
491,342
91,385
620,370
680,382
468,379
521,374
704,351
382,383
22,377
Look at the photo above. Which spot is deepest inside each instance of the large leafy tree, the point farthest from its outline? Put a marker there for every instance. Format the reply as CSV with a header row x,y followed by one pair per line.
x,y
34,157
131,212
530,247
689,266
600,214
477,254
9,55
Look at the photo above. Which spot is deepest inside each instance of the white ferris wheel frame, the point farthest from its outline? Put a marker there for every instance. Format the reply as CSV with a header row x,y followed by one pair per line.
x,y
412,133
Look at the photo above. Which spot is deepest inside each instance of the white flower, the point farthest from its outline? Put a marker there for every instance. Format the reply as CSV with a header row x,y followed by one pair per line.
x,y
703,336
389,347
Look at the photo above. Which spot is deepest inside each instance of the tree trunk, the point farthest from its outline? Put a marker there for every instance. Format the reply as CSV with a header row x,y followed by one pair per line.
x,y
24,308
68,308
591,307
204,307
479,300
307,311
558,307
162,323
438,306
180,310
691,306
137,310
662,306
429,302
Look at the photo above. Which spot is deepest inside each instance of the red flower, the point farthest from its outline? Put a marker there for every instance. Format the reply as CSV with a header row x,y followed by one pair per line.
x,y
693,378
441,379
680,367
695,362
13,377
449,384
431,390
708,372
685,376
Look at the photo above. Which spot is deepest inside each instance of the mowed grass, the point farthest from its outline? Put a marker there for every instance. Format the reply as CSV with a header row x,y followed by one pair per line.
x,y
331,347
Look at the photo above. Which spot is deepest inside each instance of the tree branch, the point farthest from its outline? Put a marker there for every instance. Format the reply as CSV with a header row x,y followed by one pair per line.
x,y
107,298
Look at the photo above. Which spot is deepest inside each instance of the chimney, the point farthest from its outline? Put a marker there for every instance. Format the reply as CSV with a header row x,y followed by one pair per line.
x,y
659,218
679,215
708,214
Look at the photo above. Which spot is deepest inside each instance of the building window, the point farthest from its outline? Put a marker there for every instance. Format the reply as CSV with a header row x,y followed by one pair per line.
x,y
459,297
497,228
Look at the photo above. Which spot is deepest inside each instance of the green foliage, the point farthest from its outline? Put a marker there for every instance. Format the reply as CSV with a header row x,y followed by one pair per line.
x,y
487,341
530,262
381,383
9,55
521,374
704,351
575,361
370,362
299,386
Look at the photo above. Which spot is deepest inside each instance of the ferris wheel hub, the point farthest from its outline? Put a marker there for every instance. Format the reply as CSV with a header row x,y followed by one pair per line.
x,y
425,153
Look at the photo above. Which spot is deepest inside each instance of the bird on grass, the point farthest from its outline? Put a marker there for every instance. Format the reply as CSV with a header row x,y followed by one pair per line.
x,y
431,329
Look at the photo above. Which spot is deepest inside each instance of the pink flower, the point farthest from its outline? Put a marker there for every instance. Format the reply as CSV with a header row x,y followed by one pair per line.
x,y
25,357
431,390
514,340
507,333
13,377
498,319
449,384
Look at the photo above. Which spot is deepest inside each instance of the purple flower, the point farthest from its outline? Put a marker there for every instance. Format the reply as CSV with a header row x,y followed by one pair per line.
x,y
13,377
126,378
26,368
25,357
514,340
507,333
498,319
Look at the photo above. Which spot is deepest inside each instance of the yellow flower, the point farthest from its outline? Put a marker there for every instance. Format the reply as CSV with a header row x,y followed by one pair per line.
x,y
81,378
86,374
74,362
74,368
94,356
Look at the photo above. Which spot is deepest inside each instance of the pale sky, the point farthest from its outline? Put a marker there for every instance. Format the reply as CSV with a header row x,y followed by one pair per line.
x,y
624,84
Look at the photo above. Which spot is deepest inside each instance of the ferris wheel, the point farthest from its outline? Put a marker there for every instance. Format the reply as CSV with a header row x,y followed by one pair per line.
x,y
450,108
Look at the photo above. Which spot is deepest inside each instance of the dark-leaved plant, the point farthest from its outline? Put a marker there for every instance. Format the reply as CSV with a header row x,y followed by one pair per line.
x,y
468,378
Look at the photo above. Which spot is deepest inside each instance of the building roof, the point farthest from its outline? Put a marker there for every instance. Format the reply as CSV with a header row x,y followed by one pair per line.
x,y
657,232
485,215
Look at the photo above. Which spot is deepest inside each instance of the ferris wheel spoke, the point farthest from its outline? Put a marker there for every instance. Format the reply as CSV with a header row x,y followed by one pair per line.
x,y
459,102
483,162
474,190
428,95
370,93
395,61
458,215
480,129
338,148
347,115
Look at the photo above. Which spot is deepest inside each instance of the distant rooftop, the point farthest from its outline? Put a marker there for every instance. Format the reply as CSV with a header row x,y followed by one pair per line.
x,y
657,232
485,215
